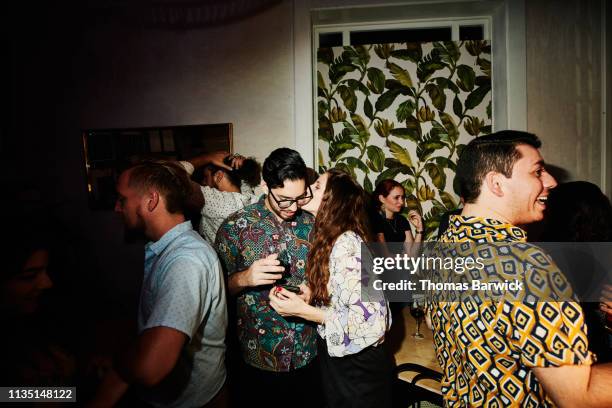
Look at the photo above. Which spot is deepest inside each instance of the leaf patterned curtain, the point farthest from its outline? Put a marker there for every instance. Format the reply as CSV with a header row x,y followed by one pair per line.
x,y
404,111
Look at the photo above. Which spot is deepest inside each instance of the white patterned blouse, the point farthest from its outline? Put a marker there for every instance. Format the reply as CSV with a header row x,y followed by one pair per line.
x,y
351,324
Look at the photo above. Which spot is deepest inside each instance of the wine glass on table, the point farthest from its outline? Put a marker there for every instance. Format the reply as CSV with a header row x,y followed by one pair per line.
x,y
418,312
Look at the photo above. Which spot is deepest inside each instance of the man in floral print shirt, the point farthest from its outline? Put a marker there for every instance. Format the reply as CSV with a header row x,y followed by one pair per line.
x,y
278,351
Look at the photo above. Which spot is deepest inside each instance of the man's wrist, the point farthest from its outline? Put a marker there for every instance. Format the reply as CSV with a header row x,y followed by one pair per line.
x,y
237,282
201,160
243,279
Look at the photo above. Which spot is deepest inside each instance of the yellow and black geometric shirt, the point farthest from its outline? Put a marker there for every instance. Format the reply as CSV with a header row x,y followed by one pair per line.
x,y
487,349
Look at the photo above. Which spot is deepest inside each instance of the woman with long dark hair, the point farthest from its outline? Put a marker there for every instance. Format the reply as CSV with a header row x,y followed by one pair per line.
x,y
356,369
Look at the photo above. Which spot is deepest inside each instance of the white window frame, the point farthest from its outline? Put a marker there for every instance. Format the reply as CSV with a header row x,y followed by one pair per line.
x,y
506,31
451,23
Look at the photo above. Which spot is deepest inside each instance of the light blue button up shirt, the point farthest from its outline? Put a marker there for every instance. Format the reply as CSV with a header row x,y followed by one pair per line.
x,y
183,289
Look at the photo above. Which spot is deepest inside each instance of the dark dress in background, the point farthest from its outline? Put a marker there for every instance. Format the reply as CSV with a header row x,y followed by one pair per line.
x,y
393,229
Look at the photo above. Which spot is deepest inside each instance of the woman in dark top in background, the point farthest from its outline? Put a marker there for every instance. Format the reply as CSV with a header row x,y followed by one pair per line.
x,y
389,225
390,228
579,212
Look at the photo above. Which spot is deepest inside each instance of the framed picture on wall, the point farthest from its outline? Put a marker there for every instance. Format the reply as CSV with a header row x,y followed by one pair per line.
x,y
107,152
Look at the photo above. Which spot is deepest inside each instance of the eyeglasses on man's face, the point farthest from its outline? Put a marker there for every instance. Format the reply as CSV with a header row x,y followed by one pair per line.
x,y
286,203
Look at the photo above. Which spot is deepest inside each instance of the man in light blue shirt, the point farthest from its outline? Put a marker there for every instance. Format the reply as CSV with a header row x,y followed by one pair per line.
x,y
182,318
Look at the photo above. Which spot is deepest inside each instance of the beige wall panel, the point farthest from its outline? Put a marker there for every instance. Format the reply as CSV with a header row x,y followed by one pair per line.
x,y
564,83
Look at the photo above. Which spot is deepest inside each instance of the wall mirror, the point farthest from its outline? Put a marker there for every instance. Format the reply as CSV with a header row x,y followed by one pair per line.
x,y
107,152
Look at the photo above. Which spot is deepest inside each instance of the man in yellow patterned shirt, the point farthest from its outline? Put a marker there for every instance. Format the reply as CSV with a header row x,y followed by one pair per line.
x,y
504,353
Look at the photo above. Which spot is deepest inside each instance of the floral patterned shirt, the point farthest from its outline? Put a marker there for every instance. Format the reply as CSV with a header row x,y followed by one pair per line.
x,y
352,323
486,349
268,340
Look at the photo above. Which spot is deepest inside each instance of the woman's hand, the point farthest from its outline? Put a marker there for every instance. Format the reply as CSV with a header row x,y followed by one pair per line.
x,y
415,219
305,293
237,161
286,303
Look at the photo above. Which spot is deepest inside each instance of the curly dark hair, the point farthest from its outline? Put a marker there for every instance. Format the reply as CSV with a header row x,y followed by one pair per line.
x,y
249,172
343,208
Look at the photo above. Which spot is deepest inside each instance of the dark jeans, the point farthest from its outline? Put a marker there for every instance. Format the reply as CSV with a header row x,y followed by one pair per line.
x,y
361,380
297,388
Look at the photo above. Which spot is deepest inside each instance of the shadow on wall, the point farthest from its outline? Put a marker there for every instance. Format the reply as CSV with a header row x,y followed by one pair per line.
x,y
559,173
